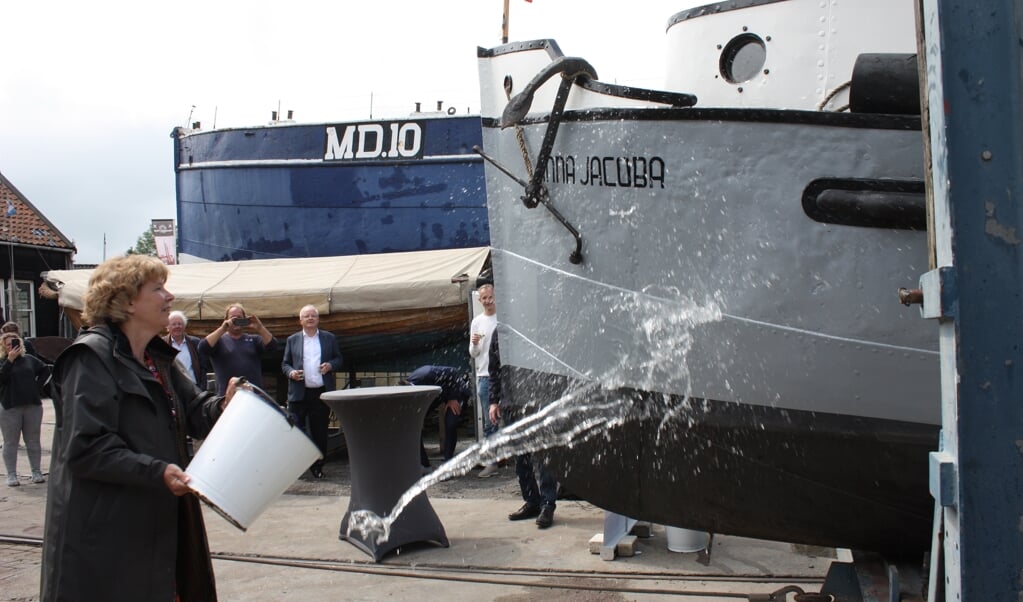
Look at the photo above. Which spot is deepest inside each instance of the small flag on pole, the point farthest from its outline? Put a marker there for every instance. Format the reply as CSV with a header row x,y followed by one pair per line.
x,y
10,209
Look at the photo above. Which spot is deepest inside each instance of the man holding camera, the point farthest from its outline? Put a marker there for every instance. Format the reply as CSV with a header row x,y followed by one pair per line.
x,y
235,352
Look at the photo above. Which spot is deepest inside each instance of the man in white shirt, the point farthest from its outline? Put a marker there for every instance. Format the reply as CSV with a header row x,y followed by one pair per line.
x,y
481,332
311,357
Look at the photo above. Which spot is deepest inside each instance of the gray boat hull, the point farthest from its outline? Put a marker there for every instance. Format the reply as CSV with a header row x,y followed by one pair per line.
x,y
810,394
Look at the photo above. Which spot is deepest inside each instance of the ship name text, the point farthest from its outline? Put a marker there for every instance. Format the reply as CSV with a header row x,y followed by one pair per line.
x,y
373,141
625,172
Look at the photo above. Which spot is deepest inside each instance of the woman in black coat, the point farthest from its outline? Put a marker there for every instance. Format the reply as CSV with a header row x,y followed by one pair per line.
x,y
119,522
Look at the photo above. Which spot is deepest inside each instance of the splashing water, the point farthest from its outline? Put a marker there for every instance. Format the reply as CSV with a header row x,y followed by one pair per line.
x,y
567,421
591,407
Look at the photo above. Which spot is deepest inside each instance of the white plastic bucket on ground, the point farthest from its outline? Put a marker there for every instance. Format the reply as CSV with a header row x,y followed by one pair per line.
x,y
686,540
249,458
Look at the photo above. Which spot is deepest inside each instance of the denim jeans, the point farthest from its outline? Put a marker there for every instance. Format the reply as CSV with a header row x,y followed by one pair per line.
x,y
17,423
483,390
527,466
450,432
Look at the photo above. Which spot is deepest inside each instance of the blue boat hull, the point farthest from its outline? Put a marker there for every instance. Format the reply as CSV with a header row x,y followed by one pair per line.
x,y
330,189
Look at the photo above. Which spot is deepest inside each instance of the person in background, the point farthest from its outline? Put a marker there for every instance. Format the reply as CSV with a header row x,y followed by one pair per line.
x,y
311,357
234,352
120,521
540,501
195,365
480,333
21,378
26,343
454,395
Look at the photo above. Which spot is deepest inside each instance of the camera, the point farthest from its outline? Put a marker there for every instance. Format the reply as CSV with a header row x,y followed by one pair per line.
x,y
241,322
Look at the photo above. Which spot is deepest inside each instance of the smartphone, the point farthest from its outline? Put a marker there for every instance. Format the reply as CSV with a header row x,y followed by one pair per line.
x,y
15,343
241,321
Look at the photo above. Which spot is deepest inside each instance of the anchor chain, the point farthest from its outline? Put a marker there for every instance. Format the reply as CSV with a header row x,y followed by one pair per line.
x,y
781,595
520,135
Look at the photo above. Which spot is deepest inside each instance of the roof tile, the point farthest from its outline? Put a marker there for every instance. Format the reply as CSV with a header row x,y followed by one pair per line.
x,y
27,226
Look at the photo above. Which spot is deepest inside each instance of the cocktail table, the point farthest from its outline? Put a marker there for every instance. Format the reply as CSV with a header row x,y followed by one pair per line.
x,y
382,427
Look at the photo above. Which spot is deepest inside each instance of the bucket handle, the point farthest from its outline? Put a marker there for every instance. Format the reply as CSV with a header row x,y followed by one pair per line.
x,y
265,398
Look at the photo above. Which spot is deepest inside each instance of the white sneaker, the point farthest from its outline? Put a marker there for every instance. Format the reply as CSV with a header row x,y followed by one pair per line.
x,y
12,480
488,471
37,476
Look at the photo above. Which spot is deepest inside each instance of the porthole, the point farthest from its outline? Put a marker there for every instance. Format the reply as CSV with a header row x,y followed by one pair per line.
x,y
743,58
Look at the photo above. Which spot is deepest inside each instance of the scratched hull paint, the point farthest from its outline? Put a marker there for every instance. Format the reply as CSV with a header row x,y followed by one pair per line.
x,y
318,190
734,280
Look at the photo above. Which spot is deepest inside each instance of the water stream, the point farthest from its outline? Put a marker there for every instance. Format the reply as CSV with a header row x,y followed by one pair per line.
x,y
662,326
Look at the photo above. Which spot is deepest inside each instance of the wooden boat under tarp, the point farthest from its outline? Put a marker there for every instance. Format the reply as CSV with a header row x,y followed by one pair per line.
x,y
385,308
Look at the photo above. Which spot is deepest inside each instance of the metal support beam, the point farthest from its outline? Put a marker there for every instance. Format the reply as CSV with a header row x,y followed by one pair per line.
x,y
974,72
616,527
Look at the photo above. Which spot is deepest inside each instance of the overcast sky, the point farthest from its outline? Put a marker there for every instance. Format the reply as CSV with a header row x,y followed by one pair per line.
x,y
90,91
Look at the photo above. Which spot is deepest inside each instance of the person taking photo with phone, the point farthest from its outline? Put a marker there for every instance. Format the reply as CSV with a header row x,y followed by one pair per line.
x,y
21,377
235,349
25,343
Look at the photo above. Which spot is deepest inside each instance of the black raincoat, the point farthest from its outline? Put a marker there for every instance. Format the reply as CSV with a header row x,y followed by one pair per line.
x,y
113,530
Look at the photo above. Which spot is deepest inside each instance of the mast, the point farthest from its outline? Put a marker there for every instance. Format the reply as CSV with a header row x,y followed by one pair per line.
x,y
504,24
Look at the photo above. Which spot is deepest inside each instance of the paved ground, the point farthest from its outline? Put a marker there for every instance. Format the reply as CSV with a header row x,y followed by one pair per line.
x,y
292,552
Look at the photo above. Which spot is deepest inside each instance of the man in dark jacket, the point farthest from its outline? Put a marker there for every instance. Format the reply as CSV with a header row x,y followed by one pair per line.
x,y
454,394
196,364
311,357
540,501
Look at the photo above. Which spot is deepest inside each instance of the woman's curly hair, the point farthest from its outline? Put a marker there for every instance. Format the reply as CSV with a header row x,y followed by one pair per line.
x,y
115,284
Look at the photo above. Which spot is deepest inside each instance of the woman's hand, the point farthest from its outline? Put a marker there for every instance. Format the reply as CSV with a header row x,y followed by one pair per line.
x,y
233,384
176,480
14,353
494,413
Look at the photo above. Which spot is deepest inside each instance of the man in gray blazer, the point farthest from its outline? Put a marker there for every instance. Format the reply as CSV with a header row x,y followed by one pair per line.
x,y
311,357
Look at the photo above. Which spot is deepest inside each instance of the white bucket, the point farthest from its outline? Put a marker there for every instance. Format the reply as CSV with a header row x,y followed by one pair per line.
x,y
686,540
250,457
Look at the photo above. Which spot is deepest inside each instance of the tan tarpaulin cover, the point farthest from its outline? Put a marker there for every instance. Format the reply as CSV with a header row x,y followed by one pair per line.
x,y
279,287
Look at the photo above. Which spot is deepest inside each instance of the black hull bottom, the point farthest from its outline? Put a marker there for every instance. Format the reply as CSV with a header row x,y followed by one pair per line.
x,y
752,471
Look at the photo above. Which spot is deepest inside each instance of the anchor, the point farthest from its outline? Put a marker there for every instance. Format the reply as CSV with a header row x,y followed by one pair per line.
x,y
536,193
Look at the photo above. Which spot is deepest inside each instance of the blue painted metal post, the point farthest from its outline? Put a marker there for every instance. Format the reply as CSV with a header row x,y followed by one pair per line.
x,y
973,51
